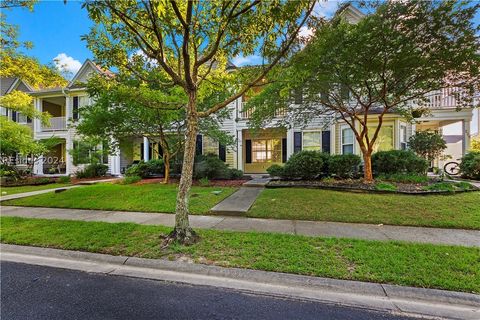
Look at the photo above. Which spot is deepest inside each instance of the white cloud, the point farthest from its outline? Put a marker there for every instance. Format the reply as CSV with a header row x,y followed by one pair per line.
x,y
65,63
248,60
305,32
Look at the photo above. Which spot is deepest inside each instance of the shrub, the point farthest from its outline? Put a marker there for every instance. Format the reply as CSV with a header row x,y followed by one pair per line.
x,y
9,171
470,165
210,166
385,186
344,165
427,144
236,174
131,179
92,171
64,179
275,170
398,161
304,165
440,186
404,178
204,182
146,169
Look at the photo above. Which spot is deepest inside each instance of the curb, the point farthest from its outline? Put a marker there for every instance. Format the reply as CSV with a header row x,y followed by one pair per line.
x,y
430,303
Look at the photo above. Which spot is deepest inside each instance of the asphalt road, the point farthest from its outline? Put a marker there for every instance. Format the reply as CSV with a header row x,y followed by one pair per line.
x,y
36,292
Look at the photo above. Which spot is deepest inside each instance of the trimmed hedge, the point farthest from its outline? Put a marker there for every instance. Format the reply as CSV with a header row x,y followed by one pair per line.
x,y
470,165
344,165
305,165
146,169
398,162
210,166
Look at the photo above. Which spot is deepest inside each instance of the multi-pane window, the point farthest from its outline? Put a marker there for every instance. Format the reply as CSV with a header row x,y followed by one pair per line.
x,y
312,140
384,140
403,137
347,141
267,150
210,145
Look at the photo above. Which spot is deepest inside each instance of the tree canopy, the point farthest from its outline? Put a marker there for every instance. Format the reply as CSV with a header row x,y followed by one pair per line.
x,y
387,62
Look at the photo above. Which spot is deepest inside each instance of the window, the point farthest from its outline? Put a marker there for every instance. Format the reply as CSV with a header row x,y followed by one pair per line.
x,y
21,118
384,140
269,150
403,137
4,111
347,141
210,145
312,140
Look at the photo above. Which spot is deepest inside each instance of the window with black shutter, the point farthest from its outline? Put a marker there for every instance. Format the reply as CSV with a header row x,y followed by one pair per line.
x,y
248,151
14,116
142,154
284,150
297,141
326,141
75,108
222,152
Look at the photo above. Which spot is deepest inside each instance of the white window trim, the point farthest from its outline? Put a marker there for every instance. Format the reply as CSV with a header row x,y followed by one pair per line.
x,y
403,126
312,130
343,127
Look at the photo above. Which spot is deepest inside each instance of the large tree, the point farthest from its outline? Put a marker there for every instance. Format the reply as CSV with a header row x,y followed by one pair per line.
x,y
192,41
387,62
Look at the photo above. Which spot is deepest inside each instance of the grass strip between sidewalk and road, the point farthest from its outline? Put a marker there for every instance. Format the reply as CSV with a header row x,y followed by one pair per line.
x,y
145,198
21,189
420,265
442,211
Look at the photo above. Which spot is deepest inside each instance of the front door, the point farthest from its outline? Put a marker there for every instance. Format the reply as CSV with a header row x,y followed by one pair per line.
x,y
262,153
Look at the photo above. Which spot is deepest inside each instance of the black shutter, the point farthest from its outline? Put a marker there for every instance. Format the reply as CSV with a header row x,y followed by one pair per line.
x,y
142,155
198,145
326,141
160,151
284,150
248,151
297,141
222,152
29,120
14,116
75,108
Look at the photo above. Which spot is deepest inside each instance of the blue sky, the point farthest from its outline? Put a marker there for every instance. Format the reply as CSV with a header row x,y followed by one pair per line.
x,y
55,29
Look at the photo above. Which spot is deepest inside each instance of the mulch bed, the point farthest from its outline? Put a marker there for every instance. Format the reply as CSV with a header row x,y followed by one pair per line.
x,y
77,181
352,185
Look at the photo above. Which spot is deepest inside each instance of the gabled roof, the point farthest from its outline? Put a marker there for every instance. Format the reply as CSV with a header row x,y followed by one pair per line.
x,y
350,12
8,84
87,65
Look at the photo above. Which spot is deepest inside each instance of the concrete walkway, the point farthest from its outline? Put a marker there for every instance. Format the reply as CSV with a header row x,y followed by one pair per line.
x,y
468,238
33,193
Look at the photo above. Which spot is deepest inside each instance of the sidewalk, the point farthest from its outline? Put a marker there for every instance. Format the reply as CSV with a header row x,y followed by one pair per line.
x,y
407,301
33,193
468,238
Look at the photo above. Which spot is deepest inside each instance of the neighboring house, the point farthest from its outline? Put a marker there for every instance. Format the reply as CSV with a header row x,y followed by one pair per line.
x,y
253,152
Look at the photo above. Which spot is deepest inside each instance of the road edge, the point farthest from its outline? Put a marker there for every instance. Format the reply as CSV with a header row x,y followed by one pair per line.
x,y
411,301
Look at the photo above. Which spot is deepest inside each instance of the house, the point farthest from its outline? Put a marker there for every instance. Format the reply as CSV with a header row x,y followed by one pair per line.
x,y
254,151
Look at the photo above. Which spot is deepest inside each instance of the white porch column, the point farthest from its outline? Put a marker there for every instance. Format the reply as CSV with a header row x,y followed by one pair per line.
x,y
146,149
466,136
36,122
290,147
68,157
38,166
239,156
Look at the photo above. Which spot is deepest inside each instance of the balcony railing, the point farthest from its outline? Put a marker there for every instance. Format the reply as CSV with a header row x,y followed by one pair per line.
x,y
247,113
56,124
445,98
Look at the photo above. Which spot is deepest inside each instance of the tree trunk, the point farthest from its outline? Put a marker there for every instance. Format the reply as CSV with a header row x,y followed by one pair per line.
x,y
182,232
166,164
367,166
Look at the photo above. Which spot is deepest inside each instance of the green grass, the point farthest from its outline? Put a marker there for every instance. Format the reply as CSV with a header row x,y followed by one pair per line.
x,y
21,189
445,211
147,197
385,186
421,265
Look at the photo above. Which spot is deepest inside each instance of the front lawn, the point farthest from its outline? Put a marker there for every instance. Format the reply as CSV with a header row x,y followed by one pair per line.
x,y
147,198
445,211
21,189
420,265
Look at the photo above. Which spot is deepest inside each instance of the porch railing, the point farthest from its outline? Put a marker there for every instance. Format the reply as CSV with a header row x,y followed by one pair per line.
x,y
56,124
445,98
247,113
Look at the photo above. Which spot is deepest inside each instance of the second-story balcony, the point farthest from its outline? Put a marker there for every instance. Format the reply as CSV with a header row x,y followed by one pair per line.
x,y
55,124
247,113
